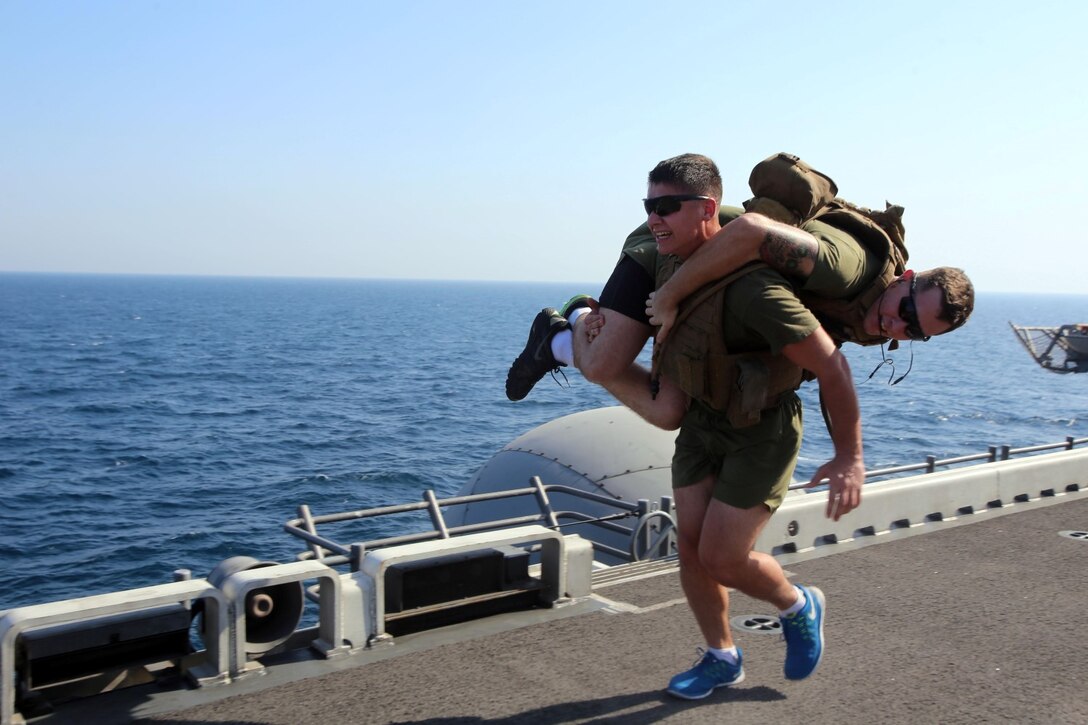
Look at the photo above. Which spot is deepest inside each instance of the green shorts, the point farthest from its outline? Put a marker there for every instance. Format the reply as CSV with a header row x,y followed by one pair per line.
x,y
752,465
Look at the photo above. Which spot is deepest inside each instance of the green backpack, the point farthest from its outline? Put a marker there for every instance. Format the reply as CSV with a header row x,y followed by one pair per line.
x,y
790,191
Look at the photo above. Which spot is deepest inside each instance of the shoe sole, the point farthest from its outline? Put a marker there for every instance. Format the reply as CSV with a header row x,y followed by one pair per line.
x,y
818,593
708,692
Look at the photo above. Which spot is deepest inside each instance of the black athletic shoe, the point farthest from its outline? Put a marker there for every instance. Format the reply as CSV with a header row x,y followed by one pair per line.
x,y
536,359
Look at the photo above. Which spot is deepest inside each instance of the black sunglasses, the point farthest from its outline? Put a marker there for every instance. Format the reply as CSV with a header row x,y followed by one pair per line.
x,y
670,204
908,312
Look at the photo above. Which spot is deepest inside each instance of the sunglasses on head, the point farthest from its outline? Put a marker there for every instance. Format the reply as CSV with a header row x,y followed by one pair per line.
x,y
669,204
908,312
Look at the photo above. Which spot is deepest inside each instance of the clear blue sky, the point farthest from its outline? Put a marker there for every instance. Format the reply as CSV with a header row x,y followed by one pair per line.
x,y
510,141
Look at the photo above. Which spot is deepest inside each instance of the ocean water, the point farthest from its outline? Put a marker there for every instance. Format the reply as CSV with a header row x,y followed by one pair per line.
x,y
155,423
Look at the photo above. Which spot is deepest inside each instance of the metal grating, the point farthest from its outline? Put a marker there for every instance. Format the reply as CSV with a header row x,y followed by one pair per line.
x,y
757,623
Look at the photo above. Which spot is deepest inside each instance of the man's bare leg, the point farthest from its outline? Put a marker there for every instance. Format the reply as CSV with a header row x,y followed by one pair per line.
x,y
632,388
721,665
613,350
729,559
707,598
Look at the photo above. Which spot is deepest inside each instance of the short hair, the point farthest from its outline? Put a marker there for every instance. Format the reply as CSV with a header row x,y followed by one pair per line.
x,y
957,294
694,173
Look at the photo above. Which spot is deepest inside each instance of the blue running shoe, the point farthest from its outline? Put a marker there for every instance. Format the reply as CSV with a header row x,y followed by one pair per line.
x,y
804,634
709,672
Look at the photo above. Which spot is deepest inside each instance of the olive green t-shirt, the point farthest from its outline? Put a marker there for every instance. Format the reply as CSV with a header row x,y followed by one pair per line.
x,y
762,311
844,267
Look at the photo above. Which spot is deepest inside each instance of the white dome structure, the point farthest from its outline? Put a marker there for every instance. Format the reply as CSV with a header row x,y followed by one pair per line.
x,y
607,452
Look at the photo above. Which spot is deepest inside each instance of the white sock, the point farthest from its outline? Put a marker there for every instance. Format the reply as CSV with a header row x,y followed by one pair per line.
x,y
729,654
797,606
563,347
574,315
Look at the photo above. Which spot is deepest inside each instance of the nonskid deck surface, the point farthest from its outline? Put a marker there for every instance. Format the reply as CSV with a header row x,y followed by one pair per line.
x,y
975,623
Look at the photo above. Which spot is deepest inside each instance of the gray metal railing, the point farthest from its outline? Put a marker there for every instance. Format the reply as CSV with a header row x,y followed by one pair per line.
x,y
647,536
651,535
994,453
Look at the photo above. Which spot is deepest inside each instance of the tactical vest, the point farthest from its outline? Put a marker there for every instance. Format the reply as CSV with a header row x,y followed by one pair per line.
x,y
844,318
696,359
695,356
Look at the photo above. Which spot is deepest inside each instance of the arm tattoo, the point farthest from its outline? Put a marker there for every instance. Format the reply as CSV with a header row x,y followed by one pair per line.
x,y
790,254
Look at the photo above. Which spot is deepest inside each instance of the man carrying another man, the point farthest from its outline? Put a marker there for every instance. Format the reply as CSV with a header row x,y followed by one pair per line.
x,y
731,468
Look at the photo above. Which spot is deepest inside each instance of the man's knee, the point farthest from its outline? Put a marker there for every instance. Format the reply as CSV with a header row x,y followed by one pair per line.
x,y
726,560
687,546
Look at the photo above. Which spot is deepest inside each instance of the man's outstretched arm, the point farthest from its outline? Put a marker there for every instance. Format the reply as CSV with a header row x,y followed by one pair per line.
x,y
748,238
846,471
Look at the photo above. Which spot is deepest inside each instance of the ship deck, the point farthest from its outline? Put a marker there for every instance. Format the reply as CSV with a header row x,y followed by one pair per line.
x,y
979,622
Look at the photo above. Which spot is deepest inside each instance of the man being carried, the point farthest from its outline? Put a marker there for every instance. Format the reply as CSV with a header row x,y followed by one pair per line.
x,y
844,281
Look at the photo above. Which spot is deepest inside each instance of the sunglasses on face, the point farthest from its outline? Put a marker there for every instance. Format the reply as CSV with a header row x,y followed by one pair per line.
x,y
908,312
670,204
